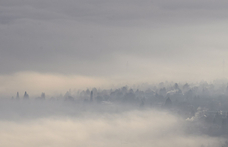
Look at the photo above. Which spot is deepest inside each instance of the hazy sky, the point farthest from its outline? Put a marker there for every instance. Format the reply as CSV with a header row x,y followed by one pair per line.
x,y
83,43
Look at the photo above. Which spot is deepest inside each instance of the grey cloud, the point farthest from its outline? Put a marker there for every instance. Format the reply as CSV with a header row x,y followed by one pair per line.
x,y
89,38
117,11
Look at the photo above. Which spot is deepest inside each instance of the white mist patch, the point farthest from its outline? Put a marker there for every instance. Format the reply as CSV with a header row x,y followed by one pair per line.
x,y
35,83
129,129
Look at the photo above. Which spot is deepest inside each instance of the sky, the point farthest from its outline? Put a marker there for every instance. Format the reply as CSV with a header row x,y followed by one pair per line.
x,y
51,46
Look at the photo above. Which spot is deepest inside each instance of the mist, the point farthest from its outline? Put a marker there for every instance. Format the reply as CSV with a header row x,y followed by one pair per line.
x,y
164,114
110,73
131,128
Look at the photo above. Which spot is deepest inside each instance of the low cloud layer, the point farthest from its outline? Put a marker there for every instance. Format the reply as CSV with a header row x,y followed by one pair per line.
x,y
133,128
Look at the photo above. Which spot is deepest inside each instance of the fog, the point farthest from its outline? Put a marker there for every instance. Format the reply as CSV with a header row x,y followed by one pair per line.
x,y
109,73
131,128
161,115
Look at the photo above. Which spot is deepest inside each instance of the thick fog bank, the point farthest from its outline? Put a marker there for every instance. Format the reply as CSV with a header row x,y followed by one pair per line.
x,y
167,114
127,129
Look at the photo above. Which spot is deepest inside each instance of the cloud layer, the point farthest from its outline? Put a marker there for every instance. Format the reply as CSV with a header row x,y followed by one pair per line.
x,y
115,40
132,128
